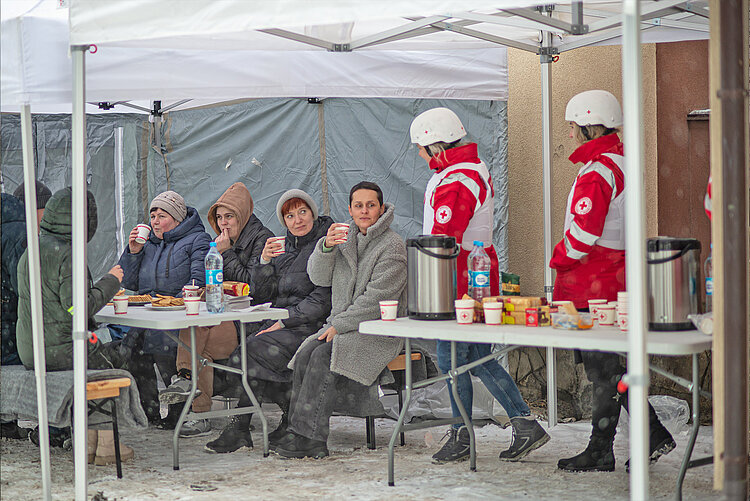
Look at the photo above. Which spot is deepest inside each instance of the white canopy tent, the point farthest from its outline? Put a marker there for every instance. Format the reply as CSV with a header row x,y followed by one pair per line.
x,y
172,50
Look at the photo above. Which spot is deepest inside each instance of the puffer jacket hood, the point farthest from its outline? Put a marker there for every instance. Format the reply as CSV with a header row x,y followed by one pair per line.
x,y
58,215
12,209
238,200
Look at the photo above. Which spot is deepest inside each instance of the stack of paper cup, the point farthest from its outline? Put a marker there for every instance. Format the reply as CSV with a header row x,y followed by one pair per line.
x,y
622,310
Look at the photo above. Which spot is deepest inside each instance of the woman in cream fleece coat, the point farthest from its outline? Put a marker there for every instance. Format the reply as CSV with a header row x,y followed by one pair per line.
x,y
367,267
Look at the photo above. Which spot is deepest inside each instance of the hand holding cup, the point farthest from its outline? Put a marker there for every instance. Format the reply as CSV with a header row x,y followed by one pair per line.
x,y
274,247
337,234
138,237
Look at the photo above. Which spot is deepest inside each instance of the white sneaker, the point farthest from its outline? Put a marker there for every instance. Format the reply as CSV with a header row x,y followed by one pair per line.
x,y
195,428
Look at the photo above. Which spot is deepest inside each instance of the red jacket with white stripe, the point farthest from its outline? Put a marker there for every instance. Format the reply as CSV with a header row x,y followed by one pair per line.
x,y
590,259
459,203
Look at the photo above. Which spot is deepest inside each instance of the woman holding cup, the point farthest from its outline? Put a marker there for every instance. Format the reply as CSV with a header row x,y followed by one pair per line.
x,y
459,203
161,261
590,264
280,277
240,237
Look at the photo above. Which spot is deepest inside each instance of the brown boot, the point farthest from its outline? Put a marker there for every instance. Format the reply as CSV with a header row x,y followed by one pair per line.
x,y
105,449
91,443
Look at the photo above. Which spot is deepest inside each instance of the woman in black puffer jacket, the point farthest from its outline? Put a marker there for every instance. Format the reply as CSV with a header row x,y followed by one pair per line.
x,y
281,278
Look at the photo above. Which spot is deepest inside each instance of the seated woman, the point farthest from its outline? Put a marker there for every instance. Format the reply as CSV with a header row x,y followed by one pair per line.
x,y
240,239
281,277
171,257
362,268
56,260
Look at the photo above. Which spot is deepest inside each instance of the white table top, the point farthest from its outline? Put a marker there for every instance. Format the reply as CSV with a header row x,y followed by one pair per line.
x,y
597,338
145,317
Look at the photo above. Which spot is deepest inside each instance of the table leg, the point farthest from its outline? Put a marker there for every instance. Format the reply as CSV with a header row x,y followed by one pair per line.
x,y
462,411
246,385
188,402
551,387
402,414
693,431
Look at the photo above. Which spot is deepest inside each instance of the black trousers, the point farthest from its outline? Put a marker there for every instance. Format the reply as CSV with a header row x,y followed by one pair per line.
x,y
315,390
604,370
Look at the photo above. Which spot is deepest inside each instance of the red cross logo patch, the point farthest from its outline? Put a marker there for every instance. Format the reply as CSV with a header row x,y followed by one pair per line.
x,y
583,206
443,214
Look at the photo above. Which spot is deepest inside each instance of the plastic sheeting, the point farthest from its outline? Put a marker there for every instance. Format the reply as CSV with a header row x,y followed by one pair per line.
x,y
273,145
52,149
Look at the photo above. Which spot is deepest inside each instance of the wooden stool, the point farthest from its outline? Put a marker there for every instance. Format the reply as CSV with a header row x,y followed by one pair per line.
x,y
397,366
107,390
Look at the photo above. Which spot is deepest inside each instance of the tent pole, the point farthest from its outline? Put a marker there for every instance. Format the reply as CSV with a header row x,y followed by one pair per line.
x,y
546,73
733,95
35,291
637,377
80,272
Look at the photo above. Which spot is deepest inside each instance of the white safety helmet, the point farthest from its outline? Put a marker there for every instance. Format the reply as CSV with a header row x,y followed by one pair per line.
x,y
436,125
594,107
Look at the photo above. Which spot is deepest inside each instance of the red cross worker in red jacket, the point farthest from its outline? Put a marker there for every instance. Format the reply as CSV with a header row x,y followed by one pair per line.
x,y
459,202
590,264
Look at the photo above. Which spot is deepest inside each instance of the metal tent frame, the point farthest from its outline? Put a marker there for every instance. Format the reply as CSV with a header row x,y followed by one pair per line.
x,y
575,25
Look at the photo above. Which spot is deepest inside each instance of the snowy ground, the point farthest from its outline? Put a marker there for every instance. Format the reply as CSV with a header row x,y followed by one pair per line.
x,y
352,471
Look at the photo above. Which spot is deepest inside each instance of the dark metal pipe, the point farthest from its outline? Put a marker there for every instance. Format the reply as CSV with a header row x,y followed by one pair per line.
x,y
733,126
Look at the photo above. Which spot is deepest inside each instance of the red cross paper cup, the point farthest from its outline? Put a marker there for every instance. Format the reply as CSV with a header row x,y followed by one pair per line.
x,y
388,310
464,311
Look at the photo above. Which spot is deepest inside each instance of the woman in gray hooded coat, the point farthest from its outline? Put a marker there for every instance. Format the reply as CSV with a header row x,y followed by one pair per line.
x,y
363,265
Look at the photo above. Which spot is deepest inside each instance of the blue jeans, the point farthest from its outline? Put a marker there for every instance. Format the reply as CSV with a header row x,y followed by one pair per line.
x,y
491,373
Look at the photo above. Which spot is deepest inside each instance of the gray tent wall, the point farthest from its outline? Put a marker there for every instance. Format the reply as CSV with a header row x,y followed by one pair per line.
x,y
273,145
52,147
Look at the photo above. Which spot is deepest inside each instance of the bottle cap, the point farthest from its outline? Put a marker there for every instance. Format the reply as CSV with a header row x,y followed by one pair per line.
x,y
212,244
477,243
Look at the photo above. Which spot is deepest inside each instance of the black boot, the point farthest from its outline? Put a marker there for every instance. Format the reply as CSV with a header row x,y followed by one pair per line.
x,y
456,448
235,436
299,447
528,435
281,431
660,443
598,456
11,430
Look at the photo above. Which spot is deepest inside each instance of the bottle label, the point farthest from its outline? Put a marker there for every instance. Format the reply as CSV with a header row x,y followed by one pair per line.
x,y
709,286
479,278
214,277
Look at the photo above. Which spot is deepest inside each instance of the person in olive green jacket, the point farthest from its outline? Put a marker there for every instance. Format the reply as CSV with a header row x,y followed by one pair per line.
x,y
56,259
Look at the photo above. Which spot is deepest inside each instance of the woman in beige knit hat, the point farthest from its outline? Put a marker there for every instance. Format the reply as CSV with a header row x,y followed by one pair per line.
x,y
240,239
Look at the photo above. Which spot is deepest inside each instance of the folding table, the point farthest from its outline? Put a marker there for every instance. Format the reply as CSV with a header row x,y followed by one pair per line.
x,y
599,338
148,318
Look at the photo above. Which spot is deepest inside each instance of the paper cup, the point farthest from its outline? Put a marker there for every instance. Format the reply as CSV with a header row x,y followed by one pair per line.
x,y
144,231
192,305
282,241
464,311
388,310
121,304
622,321
606,314
342,226
190,291
594,306
493,313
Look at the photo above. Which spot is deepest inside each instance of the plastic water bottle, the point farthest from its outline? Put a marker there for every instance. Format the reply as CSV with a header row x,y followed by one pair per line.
x,y
708,271
214,280
479,272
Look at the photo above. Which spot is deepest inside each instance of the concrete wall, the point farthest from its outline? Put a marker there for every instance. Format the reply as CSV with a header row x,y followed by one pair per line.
x,y
576,71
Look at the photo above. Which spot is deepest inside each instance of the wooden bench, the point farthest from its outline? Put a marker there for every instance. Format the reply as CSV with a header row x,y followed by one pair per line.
x,y
397,366
103,391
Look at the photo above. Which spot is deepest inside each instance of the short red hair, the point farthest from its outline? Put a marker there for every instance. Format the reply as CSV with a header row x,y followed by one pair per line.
x,y
291,204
